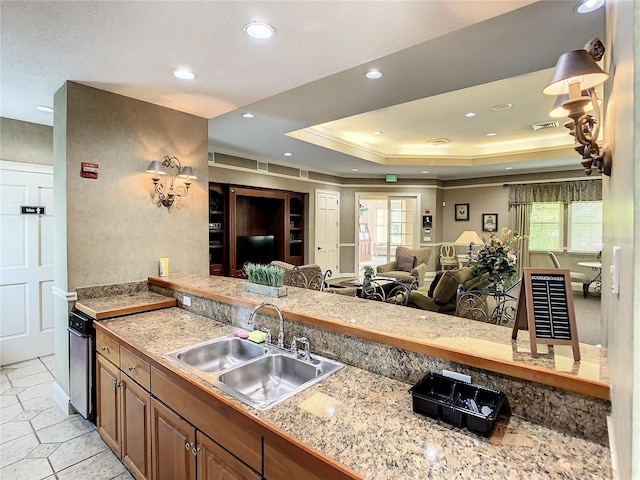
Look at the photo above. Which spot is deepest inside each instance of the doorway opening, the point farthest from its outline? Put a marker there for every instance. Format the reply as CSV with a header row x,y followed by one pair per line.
x,y
384,223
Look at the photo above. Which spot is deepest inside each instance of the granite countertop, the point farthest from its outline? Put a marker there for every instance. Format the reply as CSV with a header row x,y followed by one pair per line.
x,y
365,421
477,339
100,308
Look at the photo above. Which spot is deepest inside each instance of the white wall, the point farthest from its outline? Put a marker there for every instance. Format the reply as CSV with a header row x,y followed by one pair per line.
x,y
622,228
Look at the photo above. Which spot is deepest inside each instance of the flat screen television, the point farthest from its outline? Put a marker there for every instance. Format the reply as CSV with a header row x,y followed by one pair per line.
x,y
255,249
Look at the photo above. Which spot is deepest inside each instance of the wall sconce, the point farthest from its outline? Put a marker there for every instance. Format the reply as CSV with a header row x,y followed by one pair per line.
x,y
167,196
576,73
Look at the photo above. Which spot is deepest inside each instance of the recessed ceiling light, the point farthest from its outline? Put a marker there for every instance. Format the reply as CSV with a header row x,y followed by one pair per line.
x,y
248,115
44,108
259,30
425,171
377,132
470,115
508,168
588,6
184,74
491,134
354,169
287,154
373,74
501,106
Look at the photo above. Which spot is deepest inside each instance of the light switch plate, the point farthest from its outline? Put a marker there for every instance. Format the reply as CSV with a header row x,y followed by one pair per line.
x,y
615,271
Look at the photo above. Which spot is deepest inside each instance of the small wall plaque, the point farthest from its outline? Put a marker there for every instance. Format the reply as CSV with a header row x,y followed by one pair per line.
x,y
28,210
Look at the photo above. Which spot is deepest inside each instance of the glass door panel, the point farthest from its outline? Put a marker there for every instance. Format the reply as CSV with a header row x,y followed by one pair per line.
x,y
384,223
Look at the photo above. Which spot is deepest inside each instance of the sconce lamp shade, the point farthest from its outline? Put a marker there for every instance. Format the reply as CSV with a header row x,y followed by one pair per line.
x,y
187,172
577,66
469,237
155,168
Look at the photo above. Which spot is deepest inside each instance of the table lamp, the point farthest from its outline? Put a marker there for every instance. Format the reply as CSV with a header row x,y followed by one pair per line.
x,y
469,237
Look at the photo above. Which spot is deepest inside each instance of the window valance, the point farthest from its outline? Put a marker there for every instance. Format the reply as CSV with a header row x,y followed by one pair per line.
x,y
566,192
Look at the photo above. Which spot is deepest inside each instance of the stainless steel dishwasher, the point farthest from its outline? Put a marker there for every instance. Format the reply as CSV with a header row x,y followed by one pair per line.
x,y
82,338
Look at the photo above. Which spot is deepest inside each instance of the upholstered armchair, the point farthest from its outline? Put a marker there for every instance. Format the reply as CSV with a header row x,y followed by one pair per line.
x,y
410,264
310,276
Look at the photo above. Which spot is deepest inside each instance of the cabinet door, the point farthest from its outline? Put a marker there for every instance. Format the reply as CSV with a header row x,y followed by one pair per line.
x,y
108,403
173,440
136,428
215,463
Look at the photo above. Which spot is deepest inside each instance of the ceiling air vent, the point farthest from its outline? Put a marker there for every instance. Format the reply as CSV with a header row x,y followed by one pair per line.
x,y
438,141
544,125
264,166
304,173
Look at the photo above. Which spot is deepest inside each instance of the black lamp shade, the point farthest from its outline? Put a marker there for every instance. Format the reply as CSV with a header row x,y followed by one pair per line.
x,y
577,63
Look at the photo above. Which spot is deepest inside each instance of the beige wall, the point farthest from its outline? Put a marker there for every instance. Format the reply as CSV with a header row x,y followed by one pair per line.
x,y
115,232
622,228
25,142
109,230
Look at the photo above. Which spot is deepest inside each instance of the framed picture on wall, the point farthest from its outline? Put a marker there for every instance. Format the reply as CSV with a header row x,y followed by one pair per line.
x,y
489,222
462,212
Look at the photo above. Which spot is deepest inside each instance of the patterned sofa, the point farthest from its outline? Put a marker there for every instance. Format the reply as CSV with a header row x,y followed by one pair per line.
x,y
441,296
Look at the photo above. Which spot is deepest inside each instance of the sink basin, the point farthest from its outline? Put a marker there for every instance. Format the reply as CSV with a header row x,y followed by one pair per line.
x,y
217,355
260,376
268,380
270,377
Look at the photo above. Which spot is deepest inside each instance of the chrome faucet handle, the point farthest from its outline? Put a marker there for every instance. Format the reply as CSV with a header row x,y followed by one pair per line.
x,y
307,347
268,332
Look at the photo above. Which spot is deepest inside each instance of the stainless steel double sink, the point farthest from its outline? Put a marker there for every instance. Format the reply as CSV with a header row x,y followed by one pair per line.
x,y
259,375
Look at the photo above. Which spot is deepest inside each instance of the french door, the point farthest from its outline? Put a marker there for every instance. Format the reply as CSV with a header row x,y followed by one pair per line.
x,y
384,223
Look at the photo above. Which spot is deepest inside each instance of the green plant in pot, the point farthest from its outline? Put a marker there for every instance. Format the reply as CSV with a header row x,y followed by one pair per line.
x,y
264,274
368,271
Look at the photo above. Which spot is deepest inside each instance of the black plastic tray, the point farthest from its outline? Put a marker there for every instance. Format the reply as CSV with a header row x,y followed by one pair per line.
x,y
448,399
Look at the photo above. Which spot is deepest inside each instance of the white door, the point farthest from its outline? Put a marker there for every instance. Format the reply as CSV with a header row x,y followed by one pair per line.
x,y
327,230
26,262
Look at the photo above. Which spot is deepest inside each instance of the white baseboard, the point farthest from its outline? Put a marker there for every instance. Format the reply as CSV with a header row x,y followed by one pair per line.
x,y
61,398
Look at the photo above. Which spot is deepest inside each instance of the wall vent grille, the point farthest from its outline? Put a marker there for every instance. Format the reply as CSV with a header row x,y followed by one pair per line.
x,y
544,125
304,173
264,166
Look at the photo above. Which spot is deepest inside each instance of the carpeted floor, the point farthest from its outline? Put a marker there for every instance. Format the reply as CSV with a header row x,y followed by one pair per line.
x,y
588,316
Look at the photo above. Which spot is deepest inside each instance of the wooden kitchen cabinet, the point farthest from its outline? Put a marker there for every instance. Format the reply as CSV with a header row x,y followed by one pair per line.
x,y
122,411
184,452
215,463
173,440
136,428
108,403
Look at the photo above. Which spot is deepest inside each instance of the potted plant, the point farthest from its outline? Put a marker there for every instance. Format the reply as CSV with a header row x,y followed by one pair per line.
x,y
368,272
264,279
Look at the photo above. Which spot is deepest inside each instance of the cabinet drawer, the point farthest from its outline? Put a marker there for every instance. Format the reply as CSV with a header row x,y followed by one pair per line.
x,y
108,347
135,367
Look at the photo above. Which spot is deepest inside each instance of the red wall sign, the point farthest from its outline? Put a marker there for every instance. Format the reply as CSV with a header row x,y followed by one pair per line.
x,y
89,170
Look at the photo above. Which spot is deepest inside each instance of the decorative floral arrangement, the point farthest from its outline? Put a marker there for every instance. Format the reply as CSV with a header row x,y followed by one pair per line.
x,y
498,256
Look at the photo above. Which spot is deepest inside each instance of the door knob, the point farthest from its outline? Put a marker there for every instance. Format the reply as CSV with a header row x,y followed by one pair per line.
x,y
319,248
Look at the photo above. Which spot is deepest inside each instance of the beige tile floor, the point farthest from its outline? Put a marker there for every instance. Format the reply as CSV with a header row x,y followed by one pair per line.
x,y
37,440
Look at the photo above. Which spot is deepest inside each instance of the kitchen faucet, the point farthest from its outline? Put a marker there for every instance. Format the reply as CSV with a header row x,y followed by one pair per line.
x,y
280,318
